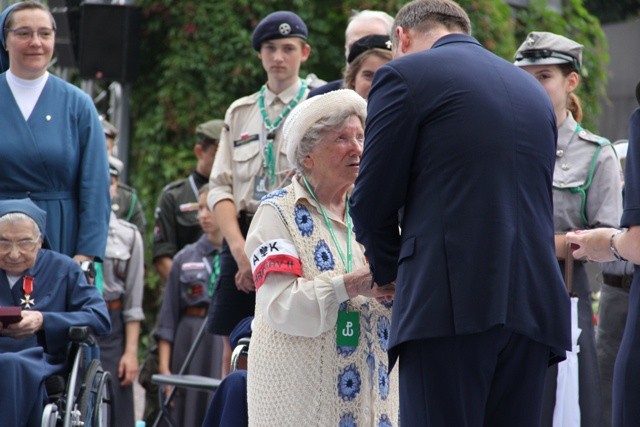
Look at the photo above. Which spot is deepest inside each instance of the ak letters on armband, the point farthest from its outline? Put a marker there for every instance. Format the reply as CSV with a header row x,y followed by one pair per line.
x,y
277,255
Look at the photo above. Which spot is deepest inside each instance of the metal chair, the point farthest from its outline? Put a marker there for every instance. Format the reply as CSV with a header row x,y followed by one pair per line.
x,y
197,382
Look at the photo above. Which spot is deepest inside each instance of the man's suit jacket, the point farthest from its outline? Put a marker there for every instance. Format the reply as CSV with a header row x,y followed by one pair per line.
x,y
326,88
460,145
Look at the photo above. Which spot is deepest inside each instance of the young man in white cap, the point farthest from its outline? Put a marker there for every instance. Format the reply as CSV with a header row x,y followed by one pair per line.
x,y
251,161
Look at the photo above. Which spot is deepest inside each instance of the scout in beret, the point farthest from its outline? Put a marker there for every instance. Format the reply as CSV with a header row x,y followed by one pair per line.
x,y
278,25
587,193
251,161
367,54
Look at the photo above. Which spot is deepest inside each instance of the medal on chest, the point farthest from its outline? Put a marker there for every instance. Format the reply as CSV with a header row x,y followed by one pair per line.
x,y
27,288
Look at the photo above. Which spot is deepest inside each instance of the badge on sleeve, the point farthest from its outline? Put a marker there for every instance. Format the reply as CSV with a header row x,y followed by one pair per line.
x,y
348,328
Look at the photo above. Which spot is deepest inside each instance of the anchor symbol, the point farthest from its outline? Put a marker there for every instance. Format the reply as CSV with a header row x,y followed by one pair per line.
x,y
348,331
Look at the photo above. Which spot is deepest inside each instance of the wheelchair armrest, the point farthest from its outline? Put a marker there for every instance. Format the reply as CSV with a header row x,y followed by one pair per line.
x,y
242,349
81,334
78,333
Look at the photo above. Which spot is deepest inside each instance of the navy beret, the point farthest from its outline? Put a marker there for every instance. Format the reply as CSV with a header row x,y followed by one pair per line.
x,y
27,207
278,25
374,41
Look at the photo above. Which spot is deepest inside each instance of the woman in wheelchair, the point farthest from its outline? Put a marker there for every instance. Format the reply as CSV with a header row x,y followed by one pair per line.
x,y
53,295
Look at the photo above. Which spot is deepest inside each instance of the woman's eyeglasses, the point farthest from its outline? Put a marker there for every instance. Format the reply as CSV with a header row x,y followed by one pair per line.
x,y
25,34
6,246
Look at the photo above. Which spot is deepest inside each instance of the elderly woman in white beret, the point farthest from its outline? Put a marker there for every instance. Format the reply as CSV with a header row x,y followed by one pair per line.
x,y
318,352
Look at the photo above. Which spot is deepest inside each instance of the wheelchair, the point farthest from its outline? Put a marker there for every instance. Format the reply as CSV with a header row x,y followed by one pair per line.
x,y
85,396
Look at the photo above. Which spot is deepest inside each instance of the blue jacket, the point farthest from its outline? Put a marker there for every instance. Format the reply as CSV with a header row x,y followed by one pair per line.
x,y
460,145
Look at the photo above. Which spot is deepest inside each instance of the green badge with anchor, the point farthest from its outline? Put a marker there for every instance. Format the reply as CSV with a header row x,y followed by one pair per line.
x,y
348,328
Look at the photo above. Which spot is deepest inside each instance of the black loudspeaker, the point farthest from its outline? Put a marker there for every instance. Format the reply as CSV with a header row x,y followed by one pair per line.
x,y
67,17
109,42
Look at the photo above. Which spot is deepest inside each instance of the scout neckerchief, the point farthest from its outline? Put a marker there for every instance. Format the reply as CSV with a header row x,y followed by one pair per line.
x,y
269,155
214,272
27,287
348,323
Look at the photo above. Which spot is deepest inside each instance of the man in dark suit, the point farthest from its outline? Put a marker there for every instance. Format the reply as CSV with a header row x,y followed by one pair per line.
x,y
460,145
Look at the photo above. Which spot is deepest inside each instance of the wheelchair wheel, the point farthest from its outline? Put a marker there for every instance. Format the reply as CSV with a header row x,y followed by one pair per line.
x,y
96,399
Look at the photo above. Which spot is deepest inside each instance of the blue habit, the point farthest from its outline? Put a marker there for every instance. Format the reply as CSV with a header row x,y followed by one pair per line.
x,y
58,159
63,296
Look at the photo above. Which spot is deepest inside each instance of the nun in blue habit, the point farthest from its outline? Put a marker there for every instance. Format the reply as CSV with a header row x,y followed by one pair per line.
x,y
52,144
54,295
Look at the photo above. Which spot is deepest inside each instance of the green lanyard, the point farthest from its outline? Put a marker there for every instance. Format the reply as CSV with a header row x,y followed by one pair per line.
x,y
347,261
269,156
215,272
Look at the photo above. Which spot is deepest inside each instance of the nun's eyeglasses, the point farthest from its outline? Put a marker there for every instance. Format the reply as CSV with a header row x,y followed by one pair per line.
x,y
23,246
25,34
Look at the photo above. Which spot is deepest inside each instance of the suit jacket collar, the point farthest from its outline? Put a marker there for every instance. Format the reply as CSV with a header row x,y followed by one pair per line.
x,y
454,38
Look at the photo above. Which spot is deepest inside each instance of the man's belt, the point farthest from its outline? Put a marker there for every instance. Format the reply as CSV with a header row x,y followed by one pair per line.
x,y
114,305
622,282
195,311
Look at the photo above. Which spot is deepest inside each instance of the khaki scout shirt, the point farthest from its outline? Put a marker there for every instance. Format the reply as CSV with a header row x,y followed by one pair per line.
x,y
239,165
123,268
574,154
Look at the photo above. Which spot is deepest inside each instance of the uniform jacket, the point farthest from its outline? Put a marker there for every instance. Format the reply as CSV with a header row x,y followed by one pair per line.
x,y
463,143
176,217
240,157
123,268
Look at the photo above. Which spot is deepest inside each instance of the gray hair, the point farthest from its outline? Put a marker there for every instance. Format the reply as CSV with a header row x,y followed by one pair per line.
x,y
15,217
318,131
424,15
365,15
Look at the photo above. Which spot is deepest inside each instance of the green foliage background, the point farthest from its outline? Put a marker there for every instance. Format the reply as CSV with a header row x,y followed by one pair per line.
x,y
196,58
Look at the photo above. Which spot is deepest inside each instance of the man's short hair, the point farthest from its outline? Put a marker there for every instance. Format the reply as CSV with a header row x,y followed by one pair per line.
x,y
424,15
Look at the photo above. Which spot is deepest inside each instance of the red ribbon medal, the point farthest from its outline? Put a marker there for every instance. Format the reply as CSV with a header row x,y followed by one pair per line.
x,y
27,287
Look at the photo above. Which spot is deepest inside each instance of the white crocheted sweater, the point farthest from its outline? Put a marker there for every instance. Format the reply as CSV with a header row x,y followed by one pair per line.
x,y
300,381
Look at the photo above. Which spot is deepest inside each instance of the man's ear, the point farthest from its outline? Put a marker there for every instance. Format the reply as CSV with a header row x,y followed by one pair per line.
x,y
197,150
404,39
306,51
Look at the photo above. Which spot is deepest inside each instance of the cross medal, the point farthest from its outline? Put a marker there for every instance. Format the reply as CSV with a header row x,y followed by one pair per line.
x,y
27,287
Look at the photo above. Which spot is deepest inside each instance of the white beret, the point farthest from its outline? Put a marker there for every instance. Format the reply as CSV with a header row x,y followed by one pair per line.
x,y
312,110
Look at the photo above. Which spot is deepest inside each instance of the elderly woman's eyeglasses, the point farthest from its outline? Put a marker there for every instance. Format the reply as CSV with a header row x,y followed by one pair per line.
x,y
25,34
342,139
6,246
